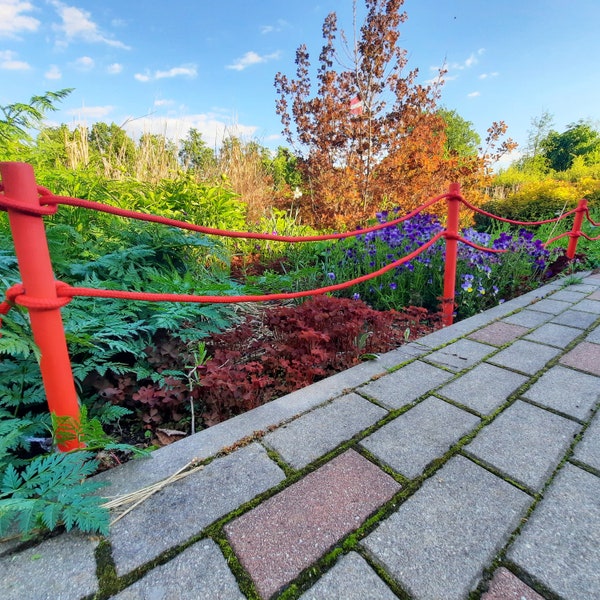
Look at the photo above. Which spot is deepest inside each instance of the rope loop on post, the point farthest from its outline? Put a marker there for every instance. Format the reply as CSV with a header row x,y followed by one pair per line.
x,y
16,294
42,210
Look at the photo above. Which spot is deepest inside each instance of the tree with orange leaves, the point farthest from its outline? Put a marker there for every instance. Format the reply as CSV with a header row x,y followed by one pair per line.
x,y
370,136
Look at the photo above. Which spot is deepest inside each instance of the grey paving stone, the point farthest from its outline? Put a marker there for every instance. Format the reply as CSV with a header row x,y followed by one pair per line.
x,y
61,568
484,388
528,318
163,462
460,355
183,509
525,443
524,356
199,573
394,358
588,449
558,545
568,295
575,318
425,432
351,578
284,535
591,306
553,335
498,333
567,391
506,586
548,305
405,385
594,336
438,542
321,430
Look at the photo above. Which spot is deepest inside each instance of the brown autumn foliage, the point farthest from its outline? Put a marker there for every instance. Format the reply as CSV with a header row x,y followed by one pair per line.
x,y
390,152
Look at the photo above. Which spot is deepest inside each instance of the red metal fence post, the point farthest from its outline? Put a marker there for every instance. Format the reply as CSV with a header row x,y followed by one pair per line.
x,y
576,231
451,236
33,256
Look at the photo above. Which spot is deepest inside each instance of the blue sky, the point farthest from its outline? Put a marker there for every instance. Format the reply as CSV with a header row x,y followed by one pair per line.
x,y
167,66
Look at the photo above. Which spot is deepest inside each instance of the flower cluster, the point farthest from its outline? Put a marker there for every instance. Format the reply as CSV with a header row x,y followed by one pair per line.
x,y
483,277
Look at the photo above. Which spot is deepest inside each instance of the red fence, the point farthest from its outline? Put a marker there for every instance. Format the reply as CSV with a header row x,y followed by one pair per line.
x,y
27,203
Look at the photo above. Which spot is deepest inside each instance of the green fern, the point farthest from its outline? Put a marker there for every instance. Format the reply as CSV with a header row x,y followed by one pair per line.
x,y
50,491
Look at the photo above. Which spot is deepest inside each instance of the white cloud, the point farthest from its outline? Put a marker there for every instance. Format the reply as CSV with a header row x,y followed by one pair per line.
x,y
489,75
281,24
9,62
114,69
84,63
90,112
251,58
214,128
182,71
164,102
53,73
13,22
473,94
77,25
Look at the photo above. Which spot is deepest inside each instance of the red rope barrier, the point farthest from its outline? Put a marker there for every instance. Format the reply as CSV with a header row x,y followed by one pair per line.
x,y
589,218
122,212
513,222
16,294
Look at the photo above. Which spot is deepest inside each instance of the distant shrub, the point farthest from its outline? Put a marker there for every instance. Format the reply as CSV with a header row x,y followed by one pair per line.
x,y
539,200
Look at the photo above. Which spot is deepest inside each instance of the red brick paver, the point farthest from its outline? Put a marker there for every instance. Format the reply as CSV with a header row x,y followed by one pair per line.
x,y
505,586
585,357
278,539
499,333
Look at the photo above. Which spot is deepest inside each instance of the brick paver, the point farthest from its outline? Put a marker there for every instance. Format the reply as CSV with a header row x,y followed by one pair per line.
x,y
585,357
587,450
548,305
524,443
506,586
575,318
186,507
460,355
498,333
405,385
350,579
526,357
528,318
288,532
61,568
559,543
425,432
553,334
321,430
484,388
567,391
199,572
440,540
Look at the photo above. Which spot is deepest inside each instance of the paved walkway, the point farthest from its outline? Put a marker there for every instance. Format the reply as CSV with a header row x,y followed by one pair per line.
x,y
464,465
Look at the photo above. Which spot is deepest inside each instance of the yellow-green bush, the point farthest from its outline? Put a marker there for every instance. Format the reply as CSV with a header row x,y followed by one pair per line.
x,y
540,200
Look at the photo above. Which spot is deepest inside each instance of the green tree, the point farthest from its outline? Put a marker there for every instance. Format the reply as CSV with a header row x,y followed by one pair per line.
x,y
461,138
111,147
195,154
579,139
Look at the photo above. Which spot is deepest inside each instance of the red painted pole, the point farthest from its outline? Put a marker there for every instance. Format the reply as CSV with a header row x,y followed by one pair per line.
x,y
576,231
451,236
33,256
